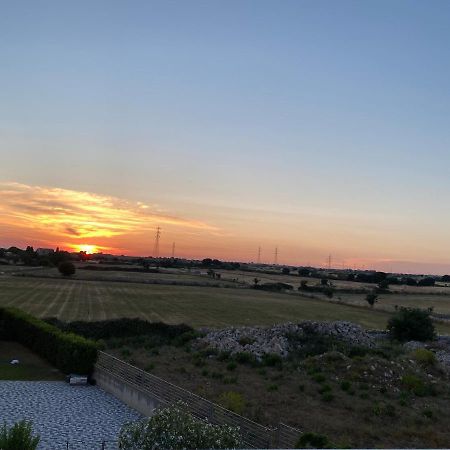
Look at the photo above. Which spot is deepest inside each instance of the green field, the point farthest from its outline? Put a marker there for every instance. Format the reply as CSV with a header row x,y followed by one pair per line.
x,y
198,306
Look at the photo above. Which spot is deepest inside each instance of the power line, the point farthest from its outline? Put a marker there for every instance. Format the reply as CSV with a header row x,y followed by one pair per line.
x,y
156,248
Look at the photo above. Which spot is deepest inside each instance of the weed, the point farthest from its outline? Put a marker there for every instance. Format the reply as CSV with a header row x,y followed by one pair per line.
x,y
313,440
424,357
346,385
327,397
149,367
272,387
319,378
324,388
231,365
234,401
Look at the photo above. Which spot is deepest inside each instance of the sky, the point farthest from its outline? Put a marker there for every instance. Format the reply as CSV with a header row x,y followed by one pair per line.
x,y
315,127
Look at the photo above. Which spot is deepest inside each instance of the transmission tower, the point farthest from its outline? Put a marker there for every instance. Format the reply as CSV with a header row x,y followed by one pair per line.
x,y
259,256
156,249
329,262
173,250
275,259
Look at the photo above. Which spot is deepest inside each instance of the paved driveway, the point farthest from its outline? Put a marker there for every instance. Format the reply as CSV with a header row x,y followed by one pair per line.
x,y
84,416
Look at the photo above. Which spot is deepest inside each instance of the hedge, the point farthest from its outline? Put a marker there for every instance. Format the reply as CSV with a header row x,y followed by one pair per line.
x,y
66,351
120,328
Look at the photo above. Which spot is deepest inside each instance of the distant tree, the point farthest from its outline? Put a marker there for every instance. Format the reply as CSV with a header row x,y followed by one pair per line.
x,y
351,277
255,281
66,268
392,280
304,272
304,285
285,271
445,278
324,281
328,291
211,273
409,281
427,281
371,299
383,286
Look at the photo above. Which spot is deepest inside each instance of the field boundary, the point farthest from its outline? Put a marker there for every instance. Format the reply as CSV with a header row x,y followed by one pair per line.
x,y
254,434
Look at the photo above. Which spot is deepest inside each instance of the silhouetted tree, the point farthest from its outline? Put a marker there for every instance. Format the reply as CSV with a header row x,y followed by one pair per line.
x,y
66,268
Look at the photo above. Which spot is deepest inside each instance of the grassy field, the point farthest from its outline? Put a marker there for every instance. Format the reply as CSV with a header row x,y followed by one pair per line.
x,y
197,306
70,299
30,367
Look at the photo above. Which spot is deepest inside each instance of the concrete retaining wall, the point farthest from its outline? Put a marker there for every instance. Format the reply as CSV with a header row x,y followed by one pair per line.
x,y
130,395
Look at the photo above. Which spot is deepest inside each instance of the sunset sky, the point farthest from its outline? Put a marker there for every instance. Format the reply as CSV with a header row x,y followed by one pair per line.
x,y
318,127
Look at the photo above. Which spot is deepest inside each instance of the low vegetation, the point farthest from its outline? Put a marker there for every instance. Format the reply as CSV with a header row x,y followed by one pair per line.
x,y
18,437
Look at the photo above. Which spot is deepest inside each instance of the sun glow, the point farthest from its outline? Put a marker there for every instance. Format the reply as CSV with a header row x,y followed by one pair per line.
x,y
88,249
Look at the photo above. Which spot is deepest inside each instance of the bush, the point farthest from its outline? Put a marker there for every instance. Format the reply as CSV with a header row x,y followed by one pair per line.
x,y
313,440
416,385
66,351
173,427
424,357
66,268
272,360
411,324
233,401
18,437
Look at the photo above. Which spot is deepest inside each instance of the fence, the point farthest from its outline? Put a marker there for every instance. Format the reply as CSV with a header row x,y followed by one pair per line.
x,y
254,435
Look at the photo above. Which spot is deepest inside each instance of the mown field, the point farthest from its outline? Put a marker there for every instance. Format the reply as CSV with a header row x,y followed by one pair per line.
x,y
70,299
197,306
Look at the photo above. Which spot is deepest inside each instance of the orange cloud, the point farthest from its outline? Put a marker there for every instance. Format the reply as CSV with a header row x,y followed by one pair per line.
x,y
79,216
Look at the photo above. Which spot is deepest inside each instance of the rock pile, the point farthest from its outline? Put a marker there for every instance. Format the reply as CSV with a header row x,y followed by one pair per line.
x,y
259,340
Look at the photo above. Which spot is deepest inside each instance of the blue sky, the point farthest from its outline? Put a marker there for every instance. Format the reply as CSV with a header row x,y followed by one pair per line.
x,y
318,126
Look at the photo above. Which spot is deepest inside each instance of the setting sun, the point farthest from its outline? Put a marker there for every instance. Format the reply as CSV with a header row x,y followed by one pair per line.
x,y
89,249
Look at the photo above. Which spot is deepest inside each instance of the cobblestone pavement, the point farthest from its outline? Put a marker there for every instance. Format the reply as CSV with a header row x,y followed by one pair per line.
x,y
84,416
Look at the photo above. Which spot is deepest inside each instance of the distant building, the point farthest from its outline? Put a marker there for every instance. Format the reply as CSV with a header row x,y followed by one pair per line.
x,y
44,251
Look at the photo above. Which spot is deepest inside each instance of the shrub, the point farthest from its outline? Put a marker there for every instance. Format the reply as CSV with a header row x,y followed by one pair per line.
x,y
313,440
411,324
319,378
231,365
246,340
173,427
245,358
272,387
18,437
66,268
424,357
327,397
272,359
346,385
233,401
66,351
416,385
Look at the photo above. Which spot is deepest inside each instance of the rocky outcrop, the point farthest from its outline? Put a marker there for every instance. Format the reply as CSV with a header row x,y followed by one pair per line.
x,y
274,340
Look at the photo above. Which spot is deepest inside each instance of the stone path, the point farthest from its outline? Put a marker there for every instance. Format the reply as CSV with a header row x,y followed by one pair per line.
x,y
84,416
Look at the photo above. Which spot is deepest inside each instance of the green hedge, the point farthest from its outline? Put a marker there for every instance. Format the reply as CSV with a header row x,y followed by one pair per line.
x,y
66,351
